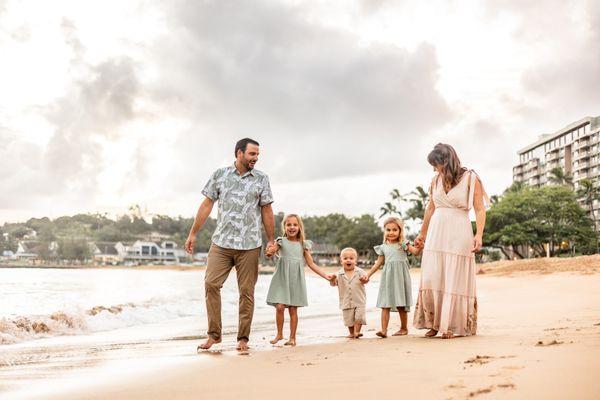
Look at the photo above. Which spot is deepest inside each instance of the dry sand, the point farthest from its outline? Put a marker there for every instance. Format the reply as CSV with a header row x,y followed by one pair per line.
x,y
539,338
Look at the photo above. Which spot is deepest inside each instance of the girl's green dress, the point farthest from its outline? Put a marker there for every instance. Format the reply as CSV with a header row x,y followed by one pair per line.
x,y
395,288
288,285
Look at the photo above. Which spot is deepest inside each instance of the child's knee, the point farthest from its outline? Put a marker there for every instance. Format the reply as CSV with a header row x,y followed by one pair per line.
x,y
280,307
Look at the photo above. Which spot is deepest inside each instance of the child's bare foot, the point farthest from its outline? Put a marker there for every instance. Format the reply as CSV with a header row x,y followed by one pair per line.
x,y
447,335
242,345
291,342
277,339
431,333
208,344
381,334
350,336
401,332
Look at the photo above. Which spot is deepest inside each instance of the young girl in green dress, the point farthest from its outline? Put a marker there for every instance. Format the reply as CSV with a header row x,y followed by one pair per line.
x,y
395,291
288,285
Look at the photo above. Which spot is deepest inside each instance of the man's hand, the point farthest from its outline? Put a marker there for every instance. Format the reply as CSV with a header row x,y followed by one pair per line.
x,y
189,244
270,250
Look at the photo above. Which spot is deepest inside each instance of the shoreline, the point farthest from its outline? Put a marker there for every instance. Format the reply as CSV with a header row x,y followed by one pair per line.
x,y
548,349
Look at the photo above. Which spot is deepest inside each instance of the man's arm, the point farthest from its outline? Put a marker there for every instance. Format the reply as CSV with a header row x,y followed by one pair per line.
x,y
268,220
201,217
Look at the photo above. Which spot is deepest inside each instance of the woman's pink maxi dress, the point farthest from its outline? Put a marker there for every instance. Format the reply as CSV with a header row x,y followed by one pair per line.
x,y
447,300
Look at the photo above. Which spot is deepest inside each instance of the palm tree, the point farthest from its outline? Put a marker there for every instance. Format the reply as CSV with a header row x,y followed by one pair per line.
x,y
392,207
559,177
419,199
588,193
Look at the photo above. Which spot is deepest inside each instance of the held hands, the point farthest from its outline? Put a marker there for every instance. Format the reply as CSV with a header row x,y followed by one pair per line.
x,y
364,279
419,242
333,280
271,249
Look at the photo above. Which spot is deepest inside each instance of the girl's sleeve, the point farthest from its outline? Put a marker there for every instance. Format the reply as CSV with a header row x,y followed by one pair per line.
x,y
378,250
279,241
405,245
308,244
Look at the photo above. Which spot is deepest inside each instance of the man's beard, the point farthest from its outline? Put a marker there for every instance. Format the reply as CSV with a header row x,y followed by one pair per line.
x,y
248,166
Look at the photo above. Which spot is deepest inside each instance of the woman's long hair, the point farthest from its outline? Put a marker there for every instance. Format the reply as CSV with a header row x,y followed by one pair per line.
x,y
300,235
445,156
400,223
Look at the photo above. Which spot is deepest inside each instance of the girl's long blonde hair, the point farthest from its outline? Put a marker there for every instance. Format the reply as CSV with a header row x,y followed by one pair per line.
x,y
301,235
400,223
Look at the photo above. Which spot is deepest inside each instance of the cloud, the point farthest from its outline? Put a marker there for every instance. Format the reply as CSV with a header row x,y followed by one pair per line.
x,y
327,105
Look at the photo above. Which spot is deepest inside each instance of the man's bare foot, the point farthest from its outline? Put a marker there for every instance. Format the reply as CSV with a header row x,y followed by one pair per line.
x,y
448,335
208,344
381,334
277,339
291,342
242,345
401,332
431,333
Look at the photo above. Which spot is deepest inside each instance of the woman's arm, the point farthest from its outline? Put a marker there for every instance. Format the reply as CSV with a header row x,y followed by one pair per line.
x,y
479,216
420,240
311,264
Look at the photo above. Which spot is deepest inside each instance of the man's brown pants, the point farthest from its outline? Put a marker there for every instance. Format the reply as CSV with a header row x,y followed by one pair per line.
x,y
220,263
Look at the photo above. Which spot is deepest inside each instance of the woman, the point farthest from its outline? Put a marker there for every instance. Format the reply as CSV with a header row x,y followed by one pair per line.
x,y
447,301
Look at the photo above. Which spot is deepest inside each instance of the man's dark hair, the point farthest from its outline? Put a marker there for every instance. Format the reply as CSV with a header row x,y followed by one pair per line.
x,y
243,143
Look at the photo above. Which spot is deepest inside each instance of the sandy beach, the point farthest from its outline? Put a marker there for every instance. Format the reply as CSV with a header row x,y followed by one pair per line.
x,y
539,338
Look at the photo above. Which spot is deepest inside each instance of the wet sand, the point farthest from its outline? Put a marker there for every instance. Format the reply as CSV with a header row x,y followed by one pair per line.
x,y
539,338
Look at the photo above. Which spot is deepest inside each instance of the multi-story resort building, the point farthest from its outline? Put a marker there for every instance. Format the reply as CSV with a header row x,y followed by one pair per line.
x,y
575,148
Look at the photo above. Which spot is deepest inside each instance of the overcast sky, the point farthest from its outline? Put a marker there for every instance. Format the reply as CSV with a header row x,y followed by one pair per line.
x,y
109,103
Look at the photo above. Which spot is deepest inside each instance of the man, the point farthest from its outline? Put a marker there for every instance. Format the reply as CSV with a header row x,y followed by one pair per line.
x,y
244,196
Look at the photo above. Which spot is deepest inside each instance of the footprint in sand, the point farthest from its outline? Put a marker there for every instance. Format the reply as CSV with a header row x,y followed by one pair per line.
x,y
552,343
479,360
489,389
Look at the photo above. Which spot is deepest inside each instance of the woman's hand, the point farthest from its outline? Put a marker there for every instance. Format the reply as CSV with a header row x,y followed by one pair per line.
x,y
419,241
477,243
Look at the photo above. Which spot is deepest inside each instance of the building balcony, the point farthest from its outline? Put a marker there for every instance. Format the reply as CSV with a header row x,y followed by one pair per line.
x,y
582,154
582,144
582,165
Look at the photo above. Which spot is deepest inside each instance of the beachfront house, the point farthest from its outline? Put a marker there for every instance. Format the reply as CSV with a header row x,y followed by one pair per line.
x,y
148,251
106,253
35,250
325,253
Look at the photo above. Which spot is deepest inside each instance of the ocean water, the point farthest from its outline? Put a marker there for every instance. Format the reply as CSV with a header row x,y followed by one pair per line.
x,y
53,321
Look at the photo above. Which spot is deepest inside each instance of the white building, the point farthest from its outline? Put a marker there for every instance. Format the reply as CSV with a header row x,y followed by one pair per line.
x,y
166,251
575,148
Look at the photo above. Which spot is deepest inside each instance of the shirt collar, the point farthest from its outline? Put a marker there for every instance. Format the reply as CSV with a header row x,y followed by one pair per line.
x,y
235,171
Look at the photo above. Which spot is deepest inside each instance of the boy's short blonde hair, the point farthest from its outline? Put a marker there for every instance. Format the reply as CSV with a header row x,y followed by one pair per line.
x,y
349,249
